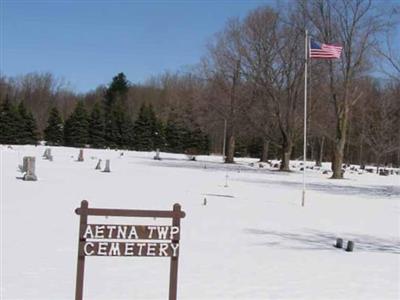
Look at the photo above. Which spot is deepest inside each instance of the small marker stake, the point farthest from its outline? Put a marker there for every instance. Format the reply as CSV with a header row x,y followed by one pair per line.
x,y
226,180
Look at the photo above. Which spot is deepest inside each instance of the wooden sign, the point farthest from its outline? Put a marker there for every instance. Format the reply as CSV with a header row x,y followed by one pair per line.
x,y
128,240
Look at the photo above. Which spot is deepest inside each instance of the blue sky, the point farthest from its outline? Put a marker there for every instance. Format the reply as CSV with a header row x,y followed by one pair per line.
x,y
88,42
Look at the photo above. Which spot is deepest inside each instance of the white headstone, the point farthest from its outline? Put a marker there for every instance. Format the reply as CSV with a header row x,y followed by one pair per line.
x,y
29,163
157,157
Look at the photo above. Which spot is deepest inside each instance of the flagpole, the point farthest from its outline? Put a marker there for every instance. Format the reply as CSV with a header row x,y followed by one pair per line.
x,y
305,118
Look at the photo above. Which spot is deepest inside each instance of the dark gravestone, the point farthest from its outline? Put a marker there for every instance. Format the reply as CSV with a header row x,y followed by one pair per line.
x,y
98,166
384,172
339,243
107,168
80,157
350,246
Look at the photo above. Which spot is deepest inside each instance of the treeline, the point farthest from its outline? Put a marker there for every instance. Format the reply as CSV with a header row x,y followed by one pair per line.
x,y
251,78
107,125
17,124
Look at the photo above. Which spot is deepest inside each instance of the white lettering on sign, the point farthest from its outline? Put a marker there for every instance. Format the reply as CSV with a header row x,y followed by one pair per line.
x,y
102,249
151,248
140,245
130,249
114,250
163,250
131,232
99,232
174,249
111,230
162,232
174,230
86,249
151,228
88,233
121,233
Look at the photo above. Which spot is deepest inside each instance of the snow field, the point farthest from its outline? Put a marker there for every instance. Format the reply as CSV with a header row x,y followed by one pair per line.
x,y
252,240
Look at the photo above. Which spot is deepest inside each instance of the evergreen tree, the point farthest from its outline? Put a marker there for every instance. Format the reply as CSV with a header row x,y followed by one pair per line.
x,y
123,126
118,89
54,132
27,126
142,131
76,129
175,136
148,130
118,127
9,123
96,128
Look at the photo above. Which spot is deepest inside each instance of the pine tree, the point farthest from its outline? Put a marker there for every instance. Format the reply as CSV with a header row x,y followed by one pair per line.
x,y
118,127
96,128
9,123
76,129
27,126
54,132
148,130
175,136
142,130
117,89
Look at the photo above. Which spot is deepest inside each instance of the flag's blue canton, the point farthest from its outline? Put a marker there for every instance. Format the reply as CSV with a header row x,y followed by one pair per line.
x,y
315,45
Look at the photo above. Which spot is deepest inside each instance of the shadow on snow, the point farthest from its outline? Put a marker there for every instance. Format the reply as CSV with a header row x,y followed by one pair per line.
x,y
317,240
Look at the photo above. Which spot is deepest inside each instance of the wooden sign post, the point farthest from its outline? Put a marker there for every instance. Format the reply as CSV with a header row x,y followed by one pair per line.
x,y
128,240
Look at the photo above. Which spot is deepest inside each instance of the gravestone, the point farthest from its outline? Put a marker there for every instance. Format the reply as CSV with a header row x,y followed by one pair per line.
x,y
98,166
157,156
29,167
107,168
47,154
384,172
339,243
350,246
80,157
24,164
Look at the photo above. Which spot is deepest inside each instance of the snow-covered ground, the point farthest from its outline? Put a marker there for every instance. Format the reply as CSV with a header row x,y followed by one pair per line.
x,y
252,240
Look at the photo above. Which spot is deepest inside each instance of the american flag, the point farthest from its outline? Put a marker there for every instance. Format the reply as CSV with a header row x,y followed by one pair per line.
x,y
318,50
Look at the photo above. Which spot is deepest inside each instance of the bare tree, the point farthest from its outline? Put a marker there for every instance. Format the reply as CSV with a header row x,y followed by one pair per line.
x,y
274,61
354,24
223,70
382,124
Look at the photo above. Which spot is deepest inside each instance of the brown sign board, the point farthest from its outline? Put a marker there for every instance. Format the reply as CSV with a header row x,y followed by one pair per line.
x,y
119,240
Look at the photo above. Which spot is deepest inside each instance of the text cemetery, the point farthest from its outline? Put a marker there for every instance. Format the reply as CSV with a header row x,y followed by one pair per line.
x,y
130,232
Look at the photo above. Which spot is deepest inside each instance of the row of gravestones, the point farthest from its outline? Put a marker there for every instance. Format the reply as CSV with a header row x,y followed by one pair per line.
x,y
29,163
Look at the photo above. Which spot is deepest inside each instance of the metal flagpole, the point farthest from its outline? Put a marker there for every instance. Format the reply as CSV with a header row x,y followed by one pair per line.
x,y
305,118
